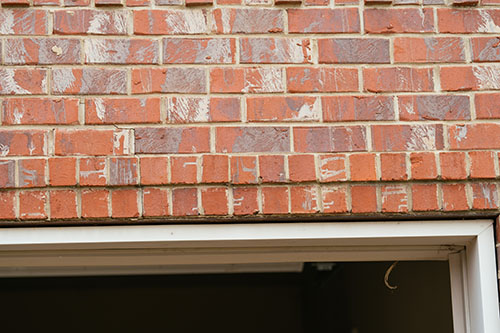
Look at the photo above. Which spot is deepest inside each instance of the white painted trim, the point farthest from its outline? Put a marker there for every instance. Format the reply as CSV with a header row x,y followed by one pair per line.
x,y
155,248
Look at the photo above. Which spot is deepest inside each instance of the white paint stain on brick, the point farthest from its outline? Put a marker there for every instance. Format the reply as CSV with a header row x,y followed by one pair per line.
x,y
270,81
6,22
100,108
488,77
188,109
121,139
62,79
422,137
18,115
15,52
4,150
186,22
308,111
461,133
326,173
487,24
8,83
396,190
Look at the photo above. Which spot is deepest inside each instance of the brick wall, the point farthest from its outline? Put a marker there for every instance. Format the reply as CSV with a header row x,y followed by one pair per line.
x,y
175,109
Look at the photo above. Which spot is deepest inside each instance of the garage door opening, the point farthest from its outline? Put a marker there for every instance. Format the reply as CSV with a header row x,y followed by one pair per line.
x,y
355,248
322,297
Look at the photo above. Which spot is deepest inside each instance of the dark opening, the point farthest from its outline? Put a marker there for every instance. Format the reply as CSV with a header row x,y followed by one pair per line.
x,y
344,298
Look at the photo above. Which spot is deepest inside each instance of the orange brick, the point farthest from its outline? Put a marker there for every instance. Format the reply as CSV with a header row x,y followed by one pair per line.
x,y
362,167
183,169
332,167
214,201
272,168
424,197
63,204
275,200
62,171
95,203
124,203
185,201
423,166
154,170
245,200
334,199
215,169
393,167
301,168
32,205
482,164
304,199
364,199
453,165
454,197
394,199
7,208
484,196
244,170
155,202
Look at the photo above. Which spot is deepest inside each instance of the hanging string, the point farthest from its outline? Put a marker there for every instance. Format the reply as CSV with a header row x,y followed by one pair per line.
x,y
386,277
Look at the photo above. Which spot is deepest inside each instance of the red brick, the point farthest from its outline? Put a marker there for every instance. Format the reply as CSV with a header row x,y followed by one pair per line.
x,y
17,21
202,109
32,205
301,168
89,21
62,171
154,170
23,81
199,50
121,51
246,80
307,79
184,169
454,197
316,2
22,142
272,168
407,137
93,171
470,78
423,166
91,142
288,2
179,140
398,79
32,172
170,22
108,3
490,2
244,170
137,3
7,202
429,49
35,111
214,201
334,199
378,2
229,2
353,51
190,3
394,199
362,167
247,21
245,200
185,201
45,3
277,108
393,167
482,164
155,202
275,200
275,50
465,2
485,49
89,81
95,203
124,203
168,80
46,51
122,110
325,20
474,136
252,139
434,107
332,168
484,196
7,173
424,197
123,171
75,3
63,204
329,139
487,106
468,20
364,199
400,20
357,108
304,199
453,165
215,169
6,3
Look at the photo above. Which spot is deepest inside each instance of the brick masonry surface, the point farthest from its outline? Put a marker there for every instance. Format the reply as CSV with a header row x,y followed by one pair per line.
x,y
173,109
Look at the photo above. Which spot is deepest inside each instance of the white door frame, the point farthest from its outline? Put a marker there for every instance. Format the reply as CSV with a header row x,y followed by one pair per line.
x,y
468,245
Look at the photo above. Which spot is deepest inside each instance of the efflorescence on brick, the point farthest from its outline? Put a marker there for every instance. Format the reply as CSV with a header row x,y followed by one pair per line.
x,y
190,109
